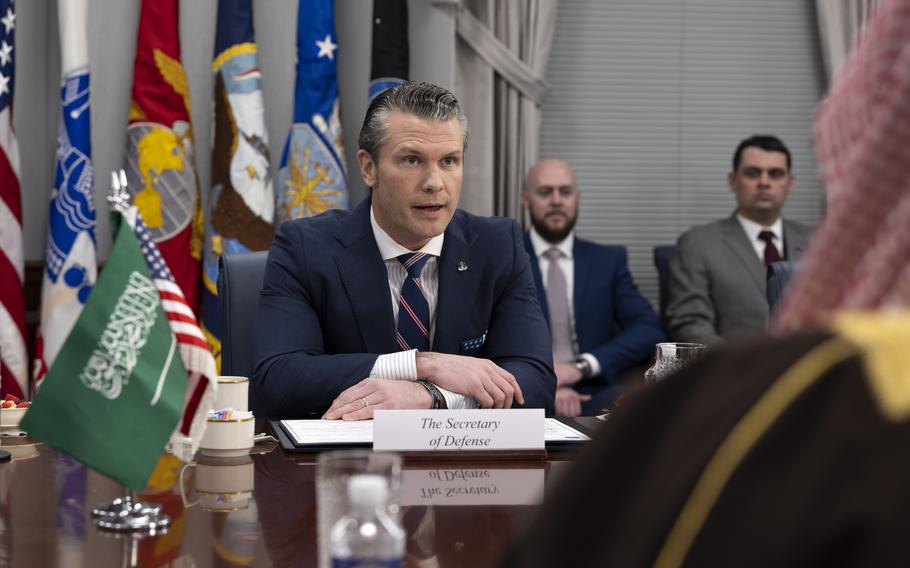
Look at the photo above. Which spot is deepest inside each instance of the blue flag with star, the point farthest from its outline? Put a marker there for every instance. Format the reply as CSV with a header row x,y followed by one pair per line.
x,y
311,179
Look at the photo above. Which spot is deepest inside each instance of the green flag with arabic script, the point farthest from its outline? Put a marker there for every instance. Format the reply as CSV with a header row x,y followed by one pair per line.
x,y
115,392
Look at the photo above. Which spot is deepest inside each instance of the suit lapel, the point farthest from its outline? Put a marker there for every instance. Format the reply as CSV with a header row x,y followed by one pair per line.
x,y
735,238
580,278
457,288
365,280
795,241
538,279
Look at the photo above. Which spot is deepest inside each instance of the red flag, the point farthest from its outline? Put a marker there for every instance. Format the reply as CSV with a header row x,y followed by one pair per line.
x,y
13,362
159,157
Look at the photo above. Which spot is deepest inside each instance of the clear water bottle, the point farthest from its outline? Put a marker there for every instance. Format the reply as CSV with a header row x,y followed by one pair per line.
x,y
367,536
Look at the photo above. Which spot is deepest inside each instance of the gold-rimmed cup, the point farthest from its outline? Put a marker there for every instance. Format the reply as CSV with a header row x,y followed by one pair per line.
x,y
233,392
227,437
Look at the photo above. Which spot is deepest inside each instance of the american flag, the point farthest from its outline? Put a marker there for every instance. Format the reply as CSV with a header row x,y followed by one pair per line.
x,y
13,361
194,349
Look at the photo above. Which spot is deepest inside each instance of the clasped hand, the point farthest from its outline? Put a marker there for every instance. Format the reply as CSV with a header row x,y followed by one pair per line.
x,y
481,379
359,401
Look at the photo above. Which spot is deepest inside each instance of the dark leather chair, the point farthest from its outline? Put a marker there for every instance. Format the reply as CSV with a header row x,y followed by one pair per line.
x,y
779,275
663,254
239,281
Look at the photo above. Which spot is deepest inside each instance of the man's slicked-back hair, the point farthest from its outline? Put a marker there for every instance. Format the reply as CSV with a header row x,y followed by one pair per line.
x,y
765,142
423,100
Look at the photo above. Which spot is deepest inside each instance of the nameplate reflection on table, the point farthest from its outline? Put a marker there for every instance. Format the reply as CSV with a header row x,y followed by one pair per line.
x,y
472,486
461,514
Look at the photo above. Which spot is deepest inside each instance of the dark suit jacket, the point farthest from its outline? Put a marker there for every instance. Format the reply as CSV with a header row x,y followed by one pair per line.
x,y
325,313
613,321
718,283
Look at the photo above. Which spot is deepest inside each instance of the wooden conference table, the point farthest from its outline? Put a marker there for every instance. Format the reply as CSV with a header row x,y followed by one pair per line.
x,y
456,513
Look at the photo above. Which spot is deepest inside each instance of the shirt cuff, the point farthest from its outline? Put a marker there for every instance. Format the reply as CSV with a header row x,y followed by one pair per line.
x,y
592,360
457,401
401,365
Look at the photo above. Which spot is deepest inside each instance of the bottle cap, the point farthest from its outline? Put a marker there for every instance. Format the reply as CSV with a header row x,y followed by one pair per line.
x,y
367,490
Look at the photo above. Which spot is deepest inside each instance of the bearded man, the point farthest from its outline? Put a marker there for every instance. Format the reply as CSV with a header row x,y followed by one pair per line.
x,y
600,324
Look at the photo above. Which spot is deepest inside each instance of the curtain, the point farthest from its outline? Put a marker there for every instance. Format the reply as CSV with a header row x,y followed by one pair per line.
x,y
839,25
502,50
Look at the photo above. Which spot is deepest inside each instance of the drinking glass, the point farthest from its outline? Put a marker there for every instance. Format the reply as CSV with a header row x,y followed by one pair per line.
x,y
333,471
670,357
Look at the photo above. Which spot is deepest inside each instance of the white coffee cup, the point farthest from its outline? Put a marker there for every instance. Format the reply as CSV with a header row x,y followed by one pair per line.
x,y
227,437
233,392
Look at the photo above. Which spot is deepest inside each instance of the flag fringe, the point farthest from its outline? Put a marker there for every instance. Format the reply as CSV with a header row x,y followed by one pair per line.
x,y
202,368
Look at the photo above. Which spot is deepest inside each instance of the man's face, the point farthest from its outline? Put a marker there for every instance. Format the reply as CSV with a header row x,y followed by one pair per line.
x,y
761,184
551,197
416,179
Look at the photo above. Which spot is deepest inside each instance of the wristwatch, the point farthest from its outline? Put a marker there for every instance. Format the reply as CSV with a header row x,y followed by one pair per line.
x,y
584,367
438,400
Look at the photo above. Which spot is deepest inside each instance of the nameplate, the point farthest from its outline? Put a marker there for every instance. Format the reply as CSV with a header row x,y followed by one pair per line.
x,y
458,430
472,486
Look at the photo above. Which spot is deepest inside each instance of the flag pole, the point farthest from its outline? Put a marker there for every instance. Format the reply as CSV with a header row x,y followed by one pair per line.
x,y
128,514
129,553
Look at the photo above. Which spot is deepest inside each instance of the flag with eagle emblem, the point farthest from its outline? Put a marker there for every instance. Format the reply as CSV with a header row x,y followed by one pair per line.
x,y
241,202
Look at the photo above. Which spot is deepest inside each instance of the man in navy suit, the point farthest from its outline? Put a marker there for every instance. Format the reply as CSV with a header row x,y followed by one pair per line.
x,y
601,325
405,301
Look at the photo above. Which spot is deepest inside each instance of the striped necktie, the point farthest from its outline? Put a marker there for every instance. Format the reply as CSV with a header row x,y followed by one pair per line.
x,y
413,309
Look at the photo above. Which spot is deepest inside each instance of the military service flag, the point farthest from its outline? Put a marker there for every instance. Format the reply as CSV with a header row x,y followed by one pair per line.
x,y
242,200
391,51
70,267
312,175
115,392
159,154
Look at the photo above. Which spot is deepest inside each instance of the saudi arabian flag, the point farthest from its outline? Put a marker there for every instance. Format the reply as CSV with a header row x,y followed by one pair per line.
x,y
115,392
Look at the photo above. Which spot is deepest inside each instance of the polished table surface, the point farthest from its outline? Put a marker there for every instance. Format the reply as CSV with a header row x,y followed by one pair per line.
x,y
456,513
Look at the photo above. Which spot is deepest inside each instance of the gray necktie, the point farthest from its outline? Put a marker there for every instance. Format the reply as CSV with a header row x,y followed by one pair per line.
x,y
558,301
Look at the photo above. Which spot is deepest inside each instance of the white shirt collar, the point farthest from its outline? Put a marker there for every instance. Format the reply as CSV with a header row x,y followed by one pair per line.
x,y
541,246
389,248
752,229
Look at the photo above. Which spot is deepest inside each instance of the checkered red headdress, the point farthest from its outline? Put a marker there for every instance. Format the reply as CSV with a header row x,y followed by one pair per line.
x,y
859,258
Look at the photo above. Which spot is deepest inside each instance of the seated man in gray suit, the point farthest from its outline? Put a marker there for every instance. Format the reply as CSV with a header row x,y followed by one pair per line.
x,y
717,278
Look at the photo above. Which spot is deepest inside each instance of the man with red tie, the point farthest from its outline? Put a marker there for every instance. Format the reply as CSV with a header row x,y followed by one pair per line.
x,y
717,278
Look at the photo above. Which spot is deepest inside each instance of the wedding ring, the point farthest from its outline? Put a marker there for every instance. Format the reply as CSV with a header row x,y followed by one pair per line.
x,y
366,402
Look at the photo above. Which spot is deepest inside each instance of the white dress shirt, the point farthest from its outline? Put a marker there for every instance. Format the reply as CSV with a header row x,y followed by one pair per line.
x,y
567,263
403,364
752,230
